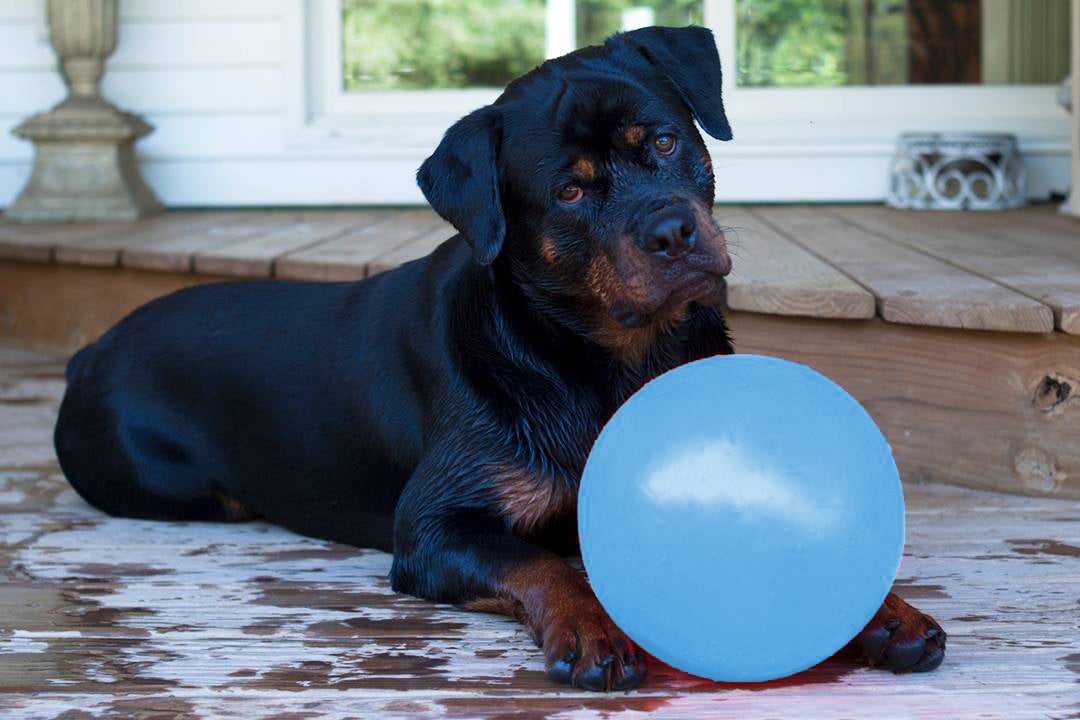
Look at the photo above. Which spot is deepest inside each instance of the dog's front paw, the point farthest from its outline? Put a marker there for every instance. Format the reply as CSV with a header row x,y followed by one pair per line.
x,y
584,648
901,638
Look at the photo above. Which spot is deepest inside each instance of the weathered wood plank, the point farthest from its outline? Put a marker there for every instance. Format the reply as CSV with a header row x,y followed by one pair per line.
x,y
110,617
988,410
418,248
255,257
773,275
176,253
1044,216
104,250
35,242
347,256
992,410
1042,263
909,286
63,307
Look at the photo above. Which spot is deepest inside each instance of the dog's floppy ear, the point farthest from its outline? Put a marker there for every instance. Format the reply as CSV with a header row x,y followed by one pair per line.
x,y
461,182
688,57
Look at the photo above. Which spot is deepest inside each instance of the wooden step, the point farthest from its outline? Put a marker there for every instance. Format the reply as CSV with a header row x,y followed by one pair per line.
x,y
957,332
1015,271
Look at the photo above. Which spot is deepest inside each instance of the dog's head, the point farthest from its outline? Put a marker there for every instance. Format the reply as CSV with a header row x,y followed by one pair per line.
x,y
588,181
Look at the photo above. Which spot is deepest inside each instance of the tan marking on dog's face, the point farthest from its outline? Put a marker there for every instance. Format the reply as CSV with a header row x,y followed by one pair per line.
x,y
602,279
626,277
712,238
634,134
627,344
584,168
630,345
632,277
548,251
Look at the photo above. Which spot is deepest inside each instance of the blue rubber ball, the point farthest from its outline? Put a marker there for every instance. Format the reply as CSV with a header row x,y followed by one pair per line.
x,y
741,518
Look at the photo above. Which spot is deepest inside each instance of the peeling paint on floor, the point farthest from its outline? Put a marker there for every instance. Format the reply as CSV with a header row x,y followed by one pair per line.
x,y
106,617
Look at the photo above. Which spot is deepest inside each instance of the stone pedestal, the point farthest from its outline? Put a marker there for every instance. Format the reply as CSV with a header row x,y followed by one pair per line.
x,y
84,159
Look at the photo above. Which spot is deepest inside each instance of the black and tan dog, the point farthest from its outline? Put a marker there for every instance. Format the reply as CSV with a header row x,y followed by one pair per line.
x,y
444,410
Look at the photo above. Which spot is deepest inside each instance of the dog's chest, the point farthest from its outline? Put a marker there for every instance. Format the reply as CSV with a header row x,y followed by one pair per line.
x,y
539,496
554,429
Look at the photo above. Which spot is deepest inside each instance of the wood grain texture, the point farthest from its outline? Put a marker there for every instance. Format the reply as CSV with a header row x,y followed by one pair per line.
x,y
256,256
909,286
346,257
104,250
1033,257
109,617
35,242
995,410
773,275
986,410
176,252
1038,216
414,250
951,261
63,307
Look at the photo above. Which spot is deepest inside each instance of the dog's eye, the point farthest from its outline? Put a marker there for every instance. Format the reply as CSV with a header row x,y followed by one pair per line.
x,y
571,194
664,143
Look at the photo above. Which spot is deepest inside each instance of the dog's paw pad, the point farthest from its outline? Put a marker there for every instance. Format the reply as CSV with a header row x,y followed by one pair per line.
x,y
902,639
590,652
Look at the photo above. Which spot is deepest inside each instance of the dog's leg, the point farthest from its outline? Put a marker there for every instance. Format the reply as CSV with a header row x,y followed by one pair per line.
x,y
471,558
582,646
900,638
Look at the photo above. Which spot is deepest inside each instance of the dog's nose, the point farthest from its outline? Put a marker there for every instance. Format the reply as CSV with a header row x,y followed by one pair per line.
x,y
671,235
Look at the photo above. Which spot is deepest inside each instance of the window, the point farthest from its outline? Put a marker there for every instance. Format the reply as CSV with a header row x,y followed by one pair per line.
x,y
431,44
436,44
804,43
817,90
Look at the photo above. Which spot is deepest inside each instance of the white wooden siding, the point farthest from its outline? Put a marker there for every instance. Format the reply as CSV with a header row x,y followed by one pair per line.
x,y
225,85
208,75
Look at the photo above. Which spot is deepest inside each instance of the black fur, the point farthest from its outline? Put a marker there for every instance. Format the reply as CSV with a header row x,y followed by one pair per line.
x,y
444,410
461,182
688,59
382,413
394,412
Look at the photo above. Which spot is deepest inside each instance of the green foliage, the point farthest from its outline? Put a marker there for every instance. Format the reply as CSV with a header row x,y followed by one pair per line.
x,y
439,43
597,19
389,44
470,43
820,42
790,42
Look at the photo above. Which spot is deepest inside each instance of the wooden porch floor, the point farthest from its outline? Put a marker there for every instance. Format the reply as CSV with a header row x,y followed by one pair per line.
x,y
111,618
959,332
1014,271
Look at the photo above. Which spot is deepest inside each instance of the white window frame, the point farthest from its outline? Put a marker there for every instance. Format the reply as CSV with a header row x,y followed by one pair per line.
x,y
791,144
